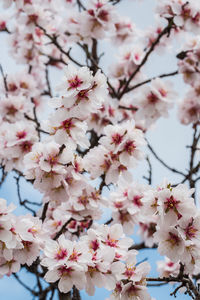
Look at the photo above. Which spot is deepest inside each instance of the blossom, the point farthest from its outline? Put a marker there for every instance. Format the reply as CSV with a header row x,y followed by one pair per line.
x,y
47,164
170,242
98,19
189,109
168,268
119,148
155,101
17,140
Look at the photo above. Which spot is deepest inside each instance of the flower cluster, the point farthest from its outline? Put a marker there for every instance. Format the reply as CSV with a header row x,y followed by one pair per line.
x,y
118,150
189,108
17,140
82,94
96,260
127,205
21,239
80,148
46,163
185,13
177,224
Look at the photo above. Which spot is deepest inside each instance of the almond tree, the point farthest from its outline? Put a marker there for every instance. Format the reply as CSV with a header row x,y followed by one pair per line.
x,y
79,143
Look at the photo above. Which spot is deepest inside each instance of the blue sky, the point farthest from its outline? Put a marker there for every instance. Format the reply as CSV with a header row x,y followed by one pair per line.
x,y
168,138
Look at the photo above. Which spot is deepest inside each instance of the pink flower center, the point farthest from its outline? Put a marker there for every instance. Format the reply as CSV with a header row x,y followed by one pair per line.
x,y
56,224
127,56
190,231
11,110
32,230
72,224
172,204
26,146
39,32
83,200
118,204
137,56
124,216
116,139
129,271
194,111
173,239
75,82
99,5
122,168
82,95
133,291
137,200
21,134
32,18
125,193
74,256
23,85
106,165
2,25
29,54
118,288
111,242
27,245
12,87
77,167
64,271
91,12
186,13
129,147
103,15
196,19
52,160
152,98
12,229
94,245
91,270
61,254
68,125
170,264
111,111
95,195
29,37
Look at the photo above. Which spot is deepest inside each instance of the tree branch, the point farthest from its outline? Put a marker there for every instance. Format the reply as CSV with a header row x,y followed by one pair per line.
x,y
165,31
149,80
55,42
24,202
4,79
163,163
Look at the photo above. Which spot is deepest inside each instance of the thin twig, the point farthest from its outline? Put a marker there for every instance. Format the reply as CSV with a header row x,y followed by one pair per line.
x,y
149,80
109,221
3,176
165,31
163,163
24,285
141,246
44,211
63,229
48,82
149,178
4,79
23,202
80,5
55,42
132,108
